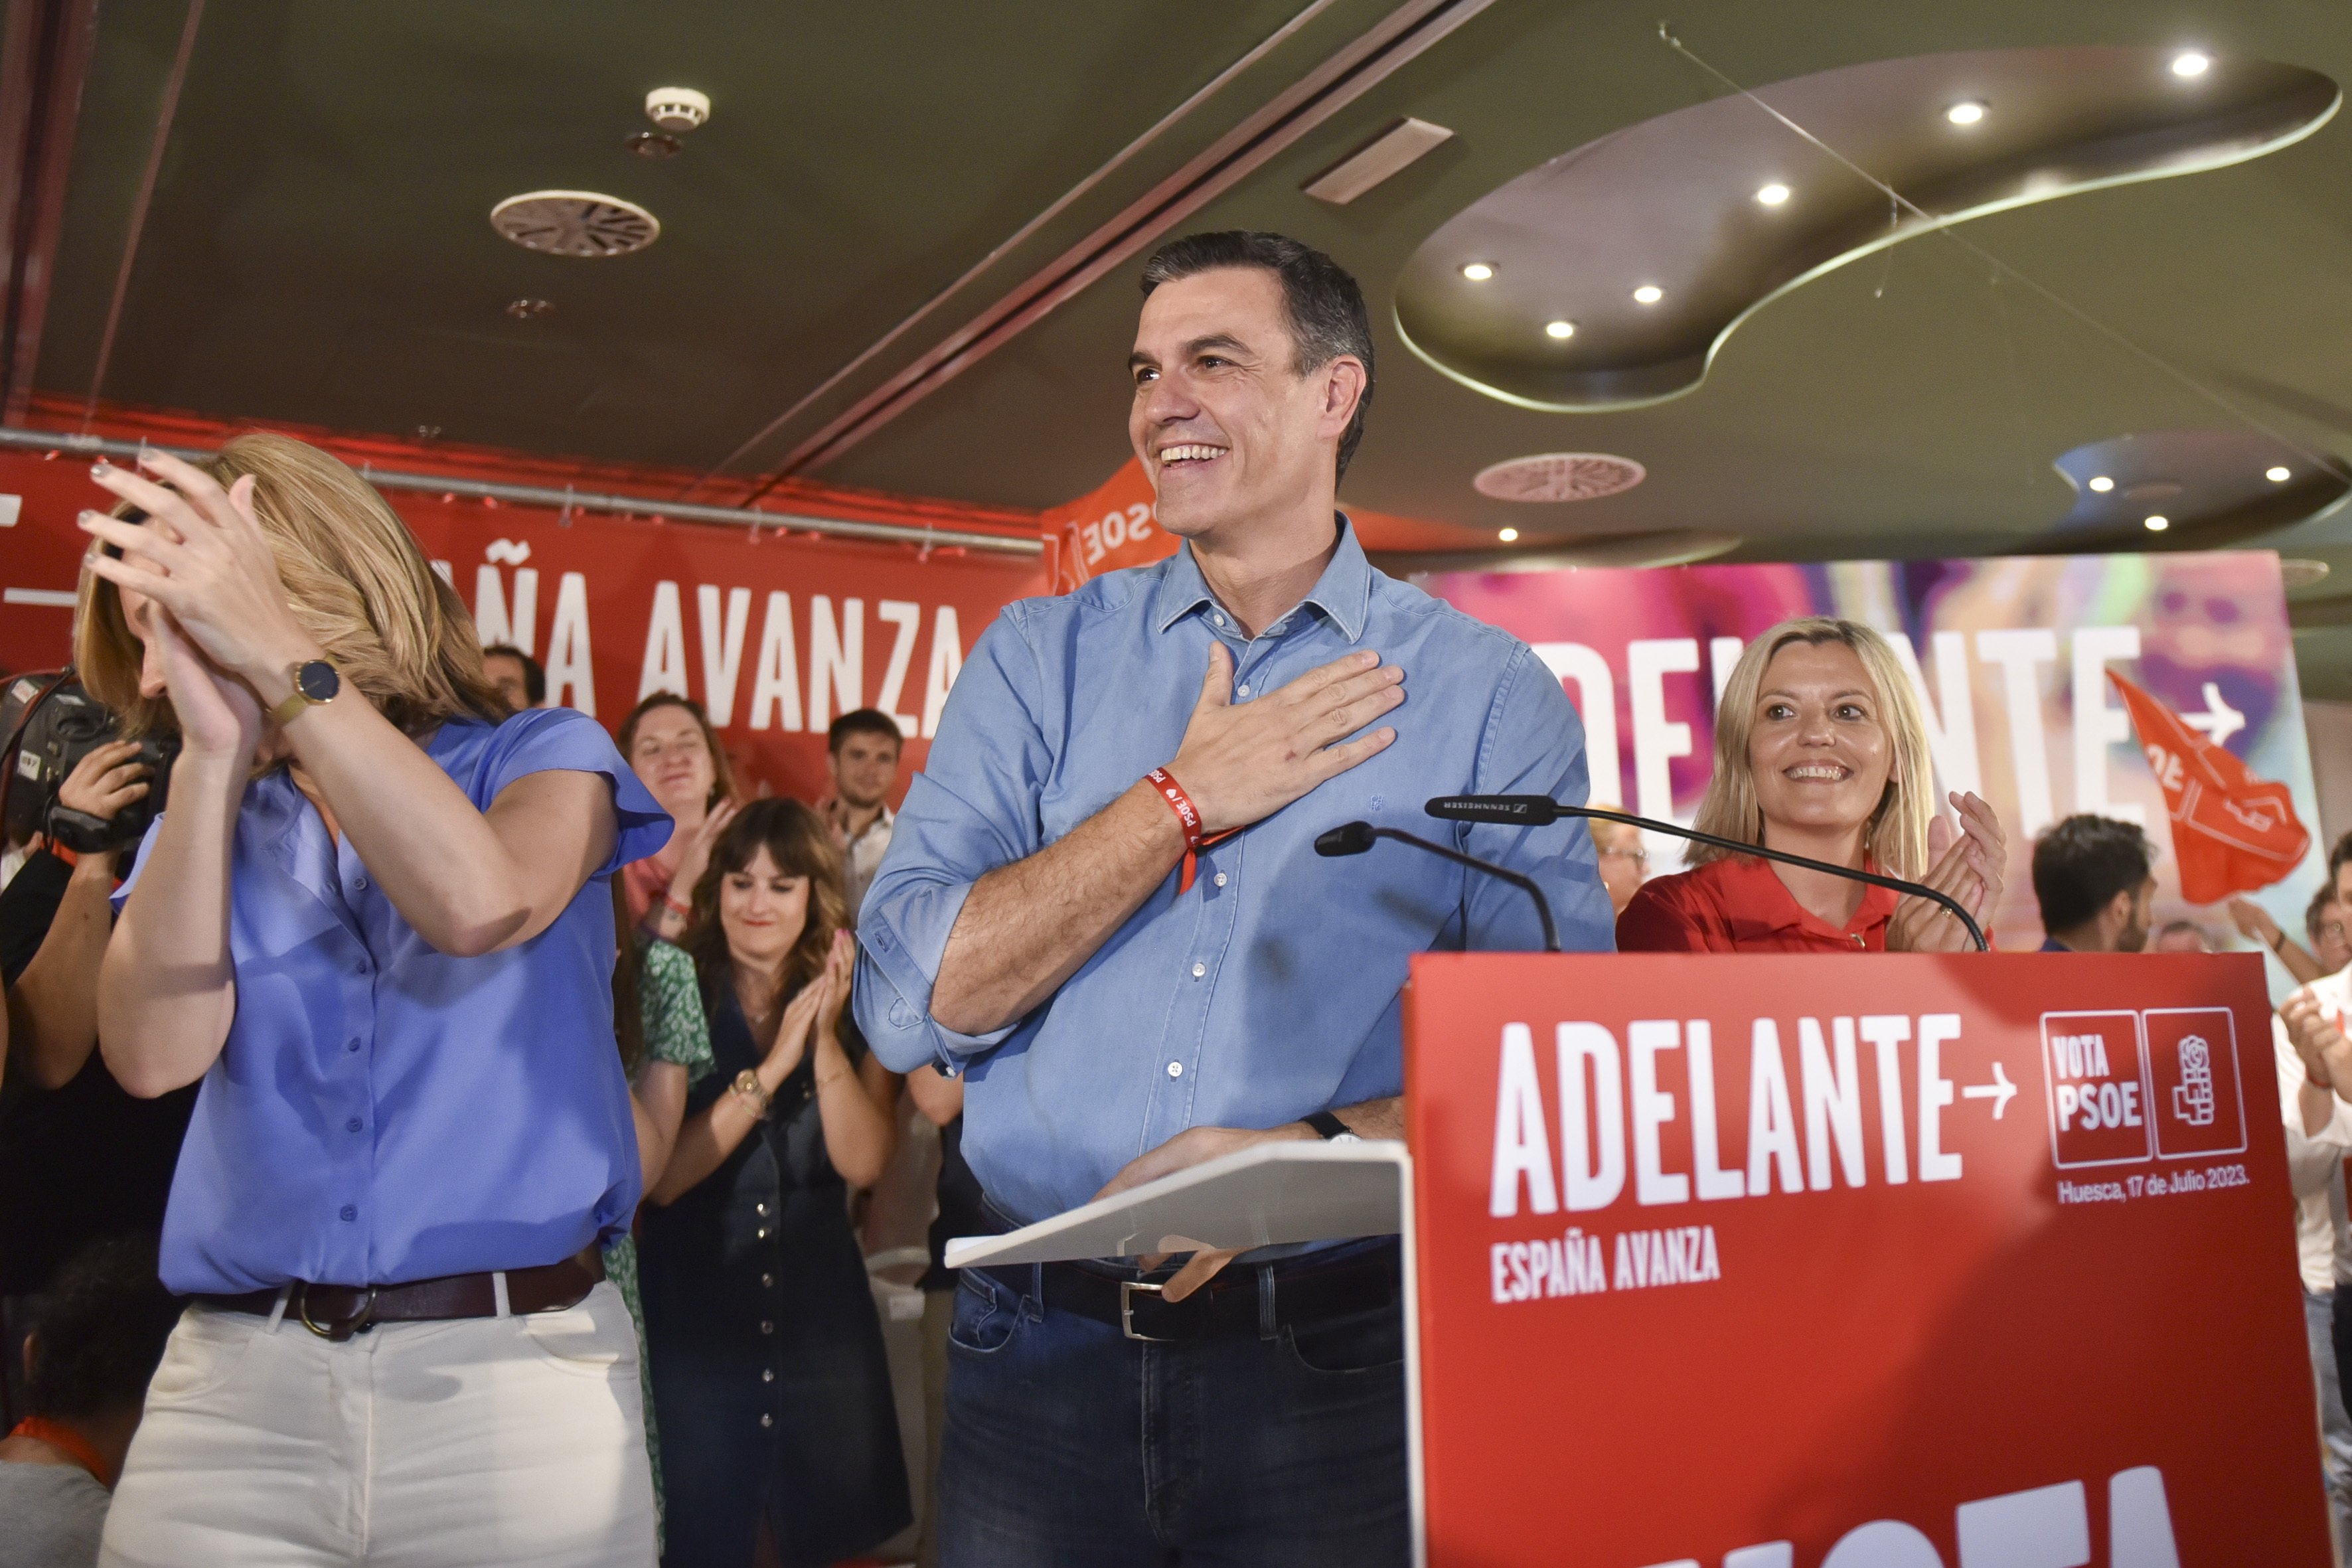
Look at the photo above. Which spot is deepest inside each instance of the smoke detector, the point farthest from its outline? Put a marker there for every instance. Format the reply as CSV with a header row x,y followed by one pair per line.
x,y
676,109
575,223
1560,477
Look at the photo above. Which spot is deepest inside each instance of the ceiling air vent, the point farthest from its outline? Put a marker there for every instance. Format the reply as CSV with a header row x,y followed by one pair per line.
x,y
1560,476
575,223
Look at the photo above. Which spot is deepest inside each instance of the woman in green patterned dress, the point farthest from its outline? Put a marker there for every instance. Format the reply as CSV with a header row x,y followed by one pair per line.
x,y
664,1043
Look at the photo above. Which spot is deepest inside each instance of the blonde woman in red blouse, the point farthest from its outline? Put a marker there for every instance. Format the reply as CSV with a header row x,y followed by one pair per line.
x,y
1821,751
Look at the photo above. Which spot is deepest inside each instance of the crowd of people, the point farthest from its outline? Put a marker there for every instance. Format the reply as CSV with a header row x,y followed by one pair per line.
x,y
441,1136
755,1109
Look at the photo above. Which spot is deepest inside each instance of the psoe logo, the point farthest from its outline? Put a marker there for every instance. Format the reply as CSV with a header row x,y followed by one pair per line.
x,y
2048,1525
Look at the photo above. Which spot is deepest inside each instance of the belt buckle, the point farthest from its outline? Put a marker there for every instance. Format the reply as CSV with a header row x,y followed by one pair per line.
x,y
338,1330
1126,1288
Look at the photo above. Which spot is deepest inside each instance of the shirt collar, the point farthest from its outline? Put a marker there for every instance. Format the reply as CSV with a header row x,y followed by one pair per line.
x,y
1763,897
1343,592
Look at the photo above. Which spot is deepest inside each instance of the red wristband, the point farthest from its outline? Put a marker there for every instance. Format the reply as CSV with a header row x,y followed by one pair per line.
x,y
1187,814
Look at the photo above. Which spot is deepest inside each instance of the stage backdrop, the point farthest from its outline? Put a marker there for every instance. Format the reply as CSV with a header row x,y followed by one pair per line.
x,y
777,637
2010,659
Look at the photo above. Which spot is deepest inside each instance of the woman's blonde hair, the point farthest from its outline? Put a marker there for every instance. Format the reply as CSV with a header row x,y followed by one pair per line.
x,y
354,579
1896,838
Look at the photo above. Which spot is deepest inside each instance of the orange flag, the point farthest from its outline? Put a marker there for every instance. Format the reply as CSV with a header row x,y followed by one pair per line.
x,y
1102,530
2232,832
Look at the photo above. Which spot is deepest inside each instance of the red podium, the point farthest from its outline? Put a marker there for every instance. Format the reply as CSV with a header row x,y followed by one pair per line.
x,y
1848,1262
1889,1261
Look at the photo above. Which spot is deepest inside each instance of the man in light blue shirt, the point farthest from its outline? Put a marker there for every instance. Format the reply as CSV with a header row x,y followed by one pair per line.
x,y
1137,974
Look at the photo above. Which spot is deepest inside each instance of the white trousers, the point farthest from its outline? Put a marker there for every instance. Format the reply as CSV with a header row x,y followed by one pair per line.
x,y
513,1441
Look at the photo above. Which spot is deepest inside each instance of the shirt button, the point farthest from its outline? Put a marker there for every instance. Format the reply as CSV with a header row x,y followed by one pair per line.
x,y
1175,1070
351,1045
762,1233
1219,619
362,966
767,1325
766,1419
1243,690
354,1124
350,1213
1220,879
767,1281
759,1208
767,1374
1199,970
360,883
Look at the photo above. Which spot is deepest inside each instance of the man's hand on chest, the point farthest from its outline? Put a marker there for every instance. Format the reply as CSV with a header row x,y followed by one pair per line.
x,y
1242,763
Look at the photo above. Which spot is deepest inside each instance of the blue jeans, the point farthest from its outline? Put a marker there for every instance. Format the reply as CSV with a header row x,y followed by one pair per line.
x,y
1068,1444
2334,1425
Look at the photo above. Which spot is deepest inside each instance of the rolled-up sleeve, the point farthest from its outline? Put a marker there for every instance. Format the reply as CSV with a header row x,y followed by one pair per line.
x,y
973,808
1534,745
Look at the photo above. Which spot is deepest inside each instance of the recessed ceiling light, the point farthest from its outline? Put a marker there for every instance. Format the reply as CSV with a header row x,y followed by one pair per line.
x,y
1507,535
1772,195
1479,271
2155,522
1648,294
1559,329
2278,476
2103,484
1967,111
2189,62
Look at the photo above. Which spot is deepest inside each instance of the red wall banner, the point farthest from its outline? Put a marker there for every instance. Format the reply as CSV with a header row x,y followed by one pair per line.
x,y
1829,1262
777,637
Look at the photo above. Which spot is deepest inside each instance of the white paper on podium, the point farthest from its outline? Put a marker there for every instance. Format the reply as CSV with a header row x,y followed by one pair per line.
x,y
1264,1195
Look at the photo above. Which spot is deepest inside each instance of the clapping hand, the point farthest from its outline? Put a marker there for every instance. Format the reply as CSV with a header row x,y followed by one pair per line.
x,y
840,966
2316,1038
696,857
792,1041
1969,866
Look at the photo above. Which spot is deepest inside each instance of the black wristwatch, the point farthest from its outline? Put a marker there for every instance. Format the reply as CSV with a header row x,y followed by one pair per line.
x,y
1330,1128
316,683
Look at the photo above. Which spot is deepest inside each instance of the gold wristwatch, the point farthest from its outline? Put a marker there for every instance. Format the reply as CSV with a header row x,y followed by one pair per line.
x,y
748,1088
315,684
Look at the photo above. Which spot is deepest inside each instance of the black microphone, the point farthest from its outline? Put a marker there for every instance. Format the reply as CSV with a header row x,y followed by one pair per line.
x,y
1535,810
1355,837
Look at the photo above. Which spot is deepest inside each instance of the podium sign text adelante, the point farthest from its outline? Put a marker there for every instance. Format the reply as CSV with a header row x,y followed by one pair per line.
x,y
1979,1261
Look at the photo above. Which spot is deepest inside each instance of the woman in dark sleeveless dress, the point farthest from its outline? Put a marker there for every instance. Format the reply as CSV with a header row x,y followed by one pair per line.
x,y
769,1373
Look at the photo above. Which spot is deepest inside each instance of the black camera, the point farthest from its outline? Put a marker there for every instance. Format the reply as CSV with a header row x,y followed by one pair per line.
x,y
48,724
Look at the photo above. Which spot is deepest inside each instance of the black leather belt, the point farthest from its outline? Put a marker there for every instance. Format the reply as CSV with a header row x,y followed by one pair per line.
x,y
337,1312
1304,1290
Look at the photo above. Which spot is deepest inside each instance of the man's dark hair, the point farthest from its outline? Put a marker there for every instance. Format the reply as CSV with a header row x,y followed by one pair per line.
x,y
2081,863
1325,307
2319,902
98,1330
534,674
2338,857
861,721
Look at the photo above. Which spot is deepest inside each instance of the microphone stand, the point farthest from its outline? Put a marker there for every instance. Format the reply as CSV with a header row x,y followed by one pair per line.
x,y
1536,810
1355,837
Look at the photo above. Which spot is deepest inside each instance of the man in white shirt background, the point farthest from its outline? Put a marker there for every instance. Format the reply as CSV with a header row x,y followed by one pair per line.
x,y
2314,1069
862,754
